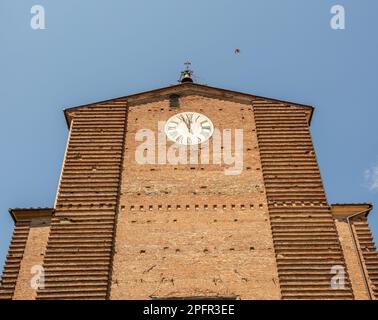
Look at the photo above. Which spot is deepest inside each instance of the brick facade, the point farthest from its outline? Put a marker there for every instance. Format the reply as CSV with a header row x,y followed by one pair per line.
x,y
122,230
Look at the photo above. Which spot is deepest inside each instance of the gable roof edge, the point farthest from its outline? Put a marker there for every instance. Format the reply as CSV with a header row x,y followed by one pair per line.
x,y
188,85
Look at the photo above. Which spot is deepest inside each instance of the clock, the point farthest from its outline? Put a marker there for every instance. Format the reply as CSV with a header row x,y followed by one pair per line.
x,y
189,128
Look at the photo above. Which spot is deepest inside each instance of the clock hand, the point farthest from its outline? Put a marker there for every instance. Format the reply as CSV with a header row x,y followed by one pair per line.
x,y
187,123
184,120
189,118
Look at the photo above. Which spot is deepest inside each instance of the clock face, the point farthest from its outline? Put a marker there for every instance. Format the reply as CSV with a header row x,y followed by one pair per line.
x,y
189,128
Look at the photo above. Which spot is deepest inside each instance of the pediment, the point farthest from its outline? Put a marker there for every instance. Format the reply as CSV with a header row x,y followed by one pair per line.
x,y
189,89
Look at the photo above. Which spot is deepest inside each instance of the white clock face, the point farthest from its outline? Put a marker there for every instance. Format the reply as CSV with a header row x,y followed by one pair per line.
x,y
189,128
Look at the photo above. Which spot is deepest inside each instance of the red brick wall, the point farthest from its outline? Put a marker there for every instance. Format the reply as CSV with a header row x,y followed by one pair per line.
x,y
304,233
369,252
191,230
123,230
356,274
14,258
33,257
79,250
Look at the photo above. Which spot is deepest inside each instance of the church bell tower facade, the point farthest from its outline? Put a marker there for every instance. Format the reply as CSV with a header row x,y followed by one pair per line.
x,y
191,191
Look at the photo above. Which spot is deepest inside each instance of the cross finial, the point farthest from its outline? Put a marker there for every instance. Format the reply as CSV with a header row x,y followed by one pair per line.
x,y
187,64
186,75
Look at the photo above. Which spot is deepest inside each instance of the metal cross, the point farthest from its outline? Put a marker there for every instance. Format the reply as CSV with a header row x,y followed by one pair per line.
x,y
188,63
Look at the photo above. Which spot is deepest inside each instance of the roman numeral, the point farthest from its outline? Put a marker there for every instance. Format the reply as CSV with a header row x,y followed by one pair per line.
x,y
179,139
173,133
181,117
205,133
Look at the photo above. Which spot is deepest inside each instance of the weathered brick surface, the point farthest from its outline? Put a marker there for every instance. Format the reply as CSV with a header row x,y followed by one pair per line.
x,y
14,258
352,260
369,252
26,250
79,249
304,233
33,256
191,230
125,231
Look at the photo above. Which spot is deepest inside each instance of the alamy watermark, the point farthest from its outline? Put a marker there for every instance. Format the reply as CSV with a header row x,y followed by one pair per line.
x,y
338,280
38,277
226,149
338,19
38,21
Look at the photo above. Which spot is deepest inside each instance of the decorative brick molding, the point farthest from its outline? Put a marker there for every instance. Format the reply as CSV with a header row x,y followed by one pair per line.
x,y
369,251
122,230
24,220
305,237
79,250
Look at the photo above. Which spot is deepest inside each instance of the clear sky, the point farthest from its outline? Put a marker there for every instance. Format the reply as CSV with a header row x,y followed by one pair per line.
x,y
93,50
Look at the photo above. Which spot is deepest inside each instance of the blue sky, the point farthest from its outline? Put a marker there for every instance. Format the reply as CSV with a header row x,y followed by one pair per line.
x,y
95,50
